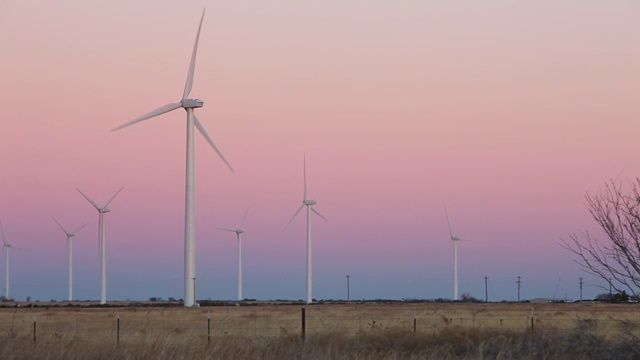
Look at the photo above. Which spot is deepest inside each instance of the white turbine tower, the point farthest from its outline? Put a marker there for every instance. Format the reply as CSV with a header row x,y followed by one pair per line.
x,y
189,229
309,204
239,231
102,239
6,247
455,240
70,235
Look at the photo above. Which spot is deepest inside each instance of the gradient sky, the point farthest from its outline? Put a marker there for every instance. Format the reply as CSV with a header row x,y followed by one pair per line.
x,y
504,112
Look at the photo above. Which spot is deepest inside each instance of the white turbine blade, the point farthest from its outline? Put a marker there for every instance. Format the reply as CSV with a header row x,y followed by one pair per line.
x,y
206,136
113,197
448,223
65,231
244,217
225,229
66,249
156,112
317,213
99,236
192,65
293,217
304,169
76,230
4,241
88,198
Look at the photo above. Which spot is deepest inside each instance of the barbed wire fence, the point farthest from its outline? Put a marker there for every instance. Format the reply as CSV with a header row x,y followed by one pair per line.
x,y
217,323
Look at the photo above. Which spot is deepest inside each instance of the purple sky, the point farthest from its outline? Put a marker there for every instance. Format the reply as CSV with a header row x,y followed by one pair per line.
x,y
503,112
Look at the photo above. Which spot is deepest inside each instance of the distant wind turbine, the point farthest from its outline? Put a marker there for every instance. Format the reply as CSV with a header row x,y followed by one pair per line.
x,y
309,204
189,232
455,240
239,231
102,238
6,246
70,235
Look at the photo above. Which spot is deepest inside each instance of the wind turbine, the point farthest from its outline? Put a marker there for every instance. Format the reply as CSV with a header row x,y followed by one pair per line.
x,y
189,228
70,235
309,204
6,246
102,238
455,240
239,231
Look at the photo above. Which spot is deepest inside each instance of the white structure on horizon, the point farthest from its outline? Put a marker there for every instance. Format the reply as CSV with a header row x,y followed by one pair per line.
x,y
6,246
69,253
309,204
189,227
455,240
102,241
239,231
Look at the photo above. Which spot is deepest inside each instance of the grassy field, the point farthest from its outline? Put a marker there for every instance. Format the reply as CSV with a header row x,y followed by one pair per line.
x,y
395,330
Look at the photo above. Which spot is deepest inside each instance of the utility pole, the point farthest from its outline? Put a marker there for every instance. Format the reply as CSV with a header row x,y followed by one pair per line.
x,y
486,291
519,282
581,288
348,288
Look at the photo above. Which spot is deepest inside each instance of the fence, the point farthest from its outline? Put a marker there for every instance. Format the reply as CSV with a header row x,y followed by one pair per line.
x,y
201,324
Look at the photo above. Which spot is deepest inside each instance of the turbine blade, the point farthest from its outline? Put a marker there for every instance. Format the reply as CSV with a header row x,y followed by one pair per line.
x,y
156,112
192,65
88,198
66,250
225,229
76,230
100,237
206,136
65,231
304,169
317,213
293,217
114,195
448,223
4,241
244,217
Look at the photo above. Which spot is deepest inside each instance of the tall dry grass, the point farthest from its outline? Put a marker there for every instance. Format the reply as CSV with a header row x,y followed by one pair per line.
x,y
450,343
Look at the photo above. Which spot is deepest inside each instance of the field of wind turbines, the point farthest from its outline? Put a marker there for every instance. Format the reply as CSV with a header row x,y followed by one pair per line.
x,y
445,154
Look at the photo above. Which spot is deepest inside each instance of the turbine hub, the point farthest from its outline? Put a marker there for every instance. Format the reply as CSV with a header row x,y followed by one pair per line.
x,y
192,103
309,202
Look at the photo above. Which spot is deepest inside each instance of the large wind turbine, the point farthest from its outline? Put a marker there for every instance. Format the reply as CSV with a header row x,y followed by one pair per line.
x,y
455,240
70,235
239,231
189,228
6,247
102,238
309,204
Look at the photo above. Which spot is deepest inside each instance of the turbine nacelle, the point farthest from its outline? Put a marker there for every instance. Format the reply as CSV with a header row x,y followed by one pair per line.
x,y
104,210
192,103
309,202
455,238
239,231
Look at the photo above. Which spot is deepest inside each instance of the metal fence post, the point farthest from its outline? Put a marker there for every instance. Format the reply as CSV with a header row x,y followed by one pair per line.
x,y
532,321
209,326
118,330
304,330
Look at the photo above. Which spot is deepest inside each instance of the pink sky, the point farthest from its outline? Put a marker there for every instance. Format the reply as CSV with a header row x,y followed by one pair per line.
x,y
504,112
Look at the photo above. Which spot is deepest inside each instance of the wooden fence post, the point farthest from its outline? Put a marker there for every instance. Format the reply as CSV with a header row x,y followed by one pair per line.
x,y
118,329
34,328
303,323
209,326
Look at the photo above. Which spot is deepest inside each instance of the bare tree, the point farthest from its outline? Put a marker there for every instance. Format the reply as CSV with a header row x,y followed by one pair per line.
x,y
616,257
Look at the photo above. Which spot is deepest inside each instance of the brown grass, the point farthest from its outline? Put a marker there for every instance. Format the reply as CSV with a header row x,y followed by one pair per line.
x,y
384,331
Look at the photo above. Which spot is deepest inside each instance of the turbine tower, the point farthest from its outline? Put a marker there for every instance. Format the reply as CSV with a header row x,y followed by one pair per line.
x,y
6,247
189,228
239,231
455,240
70,235
309,204
102,241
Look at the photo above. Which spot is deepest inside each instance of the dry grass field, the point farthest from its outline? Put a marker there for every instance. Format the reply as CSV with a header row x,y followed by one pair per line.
x,y
394,330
